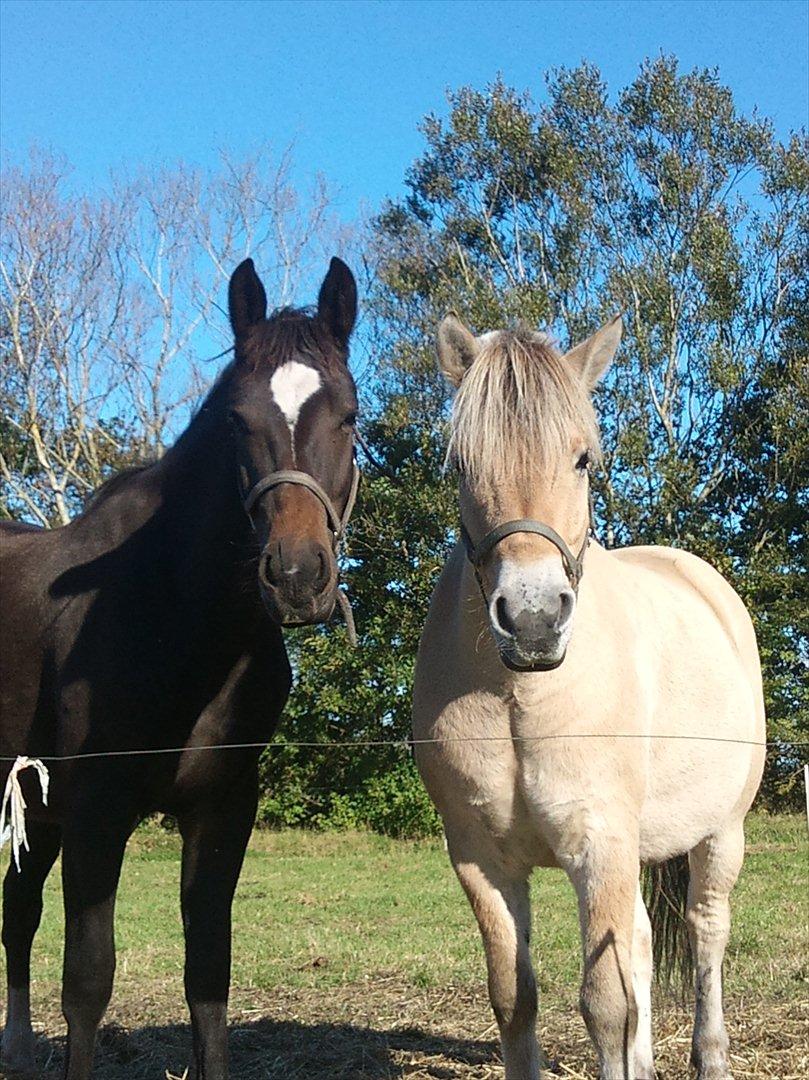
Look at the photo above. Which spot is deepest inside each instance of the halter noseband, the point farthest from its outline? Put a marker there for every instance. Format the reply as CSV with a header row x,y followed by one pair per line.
x,y
476,553
337,522
573,564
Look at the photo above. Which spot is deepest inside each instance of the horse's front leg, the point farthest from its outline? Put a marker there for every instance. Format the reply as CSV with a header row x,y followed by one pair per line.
x,y
22,909
92,853
215,836
604,873
499,897
642,972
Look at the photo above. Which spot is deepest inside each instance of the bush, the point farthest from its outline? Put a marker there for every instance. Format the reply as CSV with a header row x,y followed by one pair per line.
x,y
393,802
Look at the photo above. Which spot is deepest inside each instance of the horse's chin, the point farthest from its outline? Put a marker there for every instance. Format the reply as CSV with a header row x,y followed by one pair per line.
x,y
522,663
318,610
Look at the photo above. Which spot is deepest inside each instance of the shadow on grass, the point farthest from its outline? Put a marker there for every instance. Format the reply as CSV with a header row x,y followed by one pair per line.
x,y
279,1050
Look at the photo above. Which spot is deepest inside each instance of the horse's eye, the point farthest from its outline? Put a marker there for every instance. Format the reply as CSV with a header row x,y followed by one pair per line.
x,y
350,421
583,461
237,423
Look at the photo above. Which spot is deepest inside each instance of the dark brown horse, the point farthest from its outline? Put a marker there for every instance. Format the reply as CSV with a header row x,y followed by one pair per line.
x,y
140,625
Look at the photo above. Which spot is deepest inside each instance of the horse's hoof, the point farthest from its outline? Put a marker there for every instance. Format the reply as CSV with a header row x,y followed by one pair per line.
x,y
16,1064
711,1066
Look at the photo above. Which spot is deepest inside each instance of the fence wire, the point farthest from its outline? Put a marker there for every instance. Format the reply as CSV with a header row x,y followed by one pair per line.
x,y
408,744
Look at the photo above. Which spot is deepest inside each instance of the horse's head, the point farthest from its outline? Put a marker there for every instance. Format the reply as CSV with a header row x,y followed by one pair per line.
x,y
292,409
523,436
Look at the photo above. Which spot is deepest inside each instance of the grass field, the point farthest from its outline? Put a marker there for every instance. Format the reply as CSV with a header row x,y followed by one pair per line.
x,y
356,957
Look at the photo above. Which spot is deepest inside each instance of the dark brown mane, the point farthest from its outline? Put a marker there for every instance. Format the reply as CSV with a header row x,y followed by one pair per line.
x,y
111,485
290,333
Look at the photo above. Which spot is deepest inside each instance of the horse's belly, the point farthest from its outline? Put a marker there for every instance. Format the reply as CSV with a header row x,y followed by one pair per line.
x,y
705,758
691,796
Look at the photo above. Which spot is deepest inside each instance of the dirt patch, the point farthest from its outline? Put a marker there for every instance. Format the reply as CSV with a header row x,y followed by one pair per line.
x,y
385,1029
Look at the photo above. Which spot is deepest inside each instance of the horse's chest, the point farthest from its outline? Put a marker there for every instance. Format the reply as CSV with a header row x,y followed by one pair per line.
x,y
221,729
485,780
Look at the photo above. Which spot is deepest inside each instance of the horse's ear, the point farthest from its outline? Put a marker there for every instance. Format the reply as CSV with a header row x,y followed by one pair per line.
x,y
457,348
592,357
247,300
337,302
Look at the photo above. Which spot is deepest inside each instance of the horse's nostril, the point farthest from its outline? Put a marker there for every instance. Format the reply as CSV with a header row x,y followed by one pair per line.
x,y
503,618
565,606
298,573
264,569
323,569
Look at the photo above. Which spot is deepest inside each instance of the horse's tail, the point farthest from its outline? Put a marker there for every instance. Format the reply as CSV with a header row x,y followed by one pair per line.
x,y
665,891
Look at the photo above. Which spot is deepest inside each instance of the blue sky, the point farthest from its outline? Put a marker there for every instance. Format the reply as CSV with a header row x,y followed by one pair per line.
x,y
141,82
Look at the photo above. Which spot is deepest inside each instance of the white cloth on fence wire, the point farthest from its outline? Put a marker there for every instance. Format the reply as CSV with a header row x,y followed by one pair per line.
x,y
14,804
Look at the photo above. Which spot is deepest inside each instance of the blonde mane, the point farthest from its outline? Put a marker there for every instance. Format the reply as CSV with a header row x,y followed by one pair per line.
x,y
517,407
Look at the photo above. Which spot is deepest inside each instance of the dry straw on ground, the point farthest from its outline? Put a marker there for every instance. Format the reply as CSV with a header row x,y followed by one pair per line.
x,y
385,1029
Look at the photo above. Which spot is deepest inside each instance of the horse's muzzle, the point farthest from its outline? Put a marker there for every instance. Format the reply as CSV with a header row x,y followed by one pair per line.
x,y
532,638
298,582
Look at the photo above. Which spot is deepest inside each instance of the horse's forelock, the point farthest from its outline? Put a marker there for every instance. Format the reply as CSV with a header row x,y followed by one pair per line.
x,y
291,334
516,408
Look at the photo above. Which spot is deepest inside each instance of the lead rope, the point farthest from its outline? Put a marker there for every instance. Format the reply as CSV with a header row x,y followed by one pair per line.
x,y
343,601
344,605
14,804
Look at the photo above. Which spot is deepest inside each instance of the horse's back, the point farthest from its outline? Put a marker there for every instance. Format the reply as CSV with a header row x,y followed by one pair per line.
x,y
27,554
19,528
710,590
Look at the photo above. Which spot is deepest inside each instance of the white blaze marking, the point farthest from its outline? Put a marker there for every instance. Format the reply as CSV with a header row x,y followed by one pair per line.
x,y
292,385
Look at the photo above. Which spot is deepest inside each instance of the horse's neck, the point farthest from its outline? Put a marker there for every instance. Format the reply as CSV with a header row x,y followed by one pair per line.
x,y
201,508
181,523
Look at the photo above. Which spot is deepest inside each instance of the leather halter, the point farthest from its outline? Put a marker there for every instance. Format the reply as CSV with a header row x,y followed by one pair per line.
x,y
573,564
337,522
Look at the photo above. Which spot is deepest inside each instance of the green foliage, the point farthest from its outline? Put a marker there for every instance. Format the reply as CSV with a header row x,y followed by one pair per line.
x,y
662,202
665,204
392,802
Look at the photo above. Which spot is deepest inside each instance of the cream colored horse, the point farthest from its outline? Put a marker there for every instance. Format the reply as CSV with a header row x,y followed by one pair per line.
x,y
519,670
